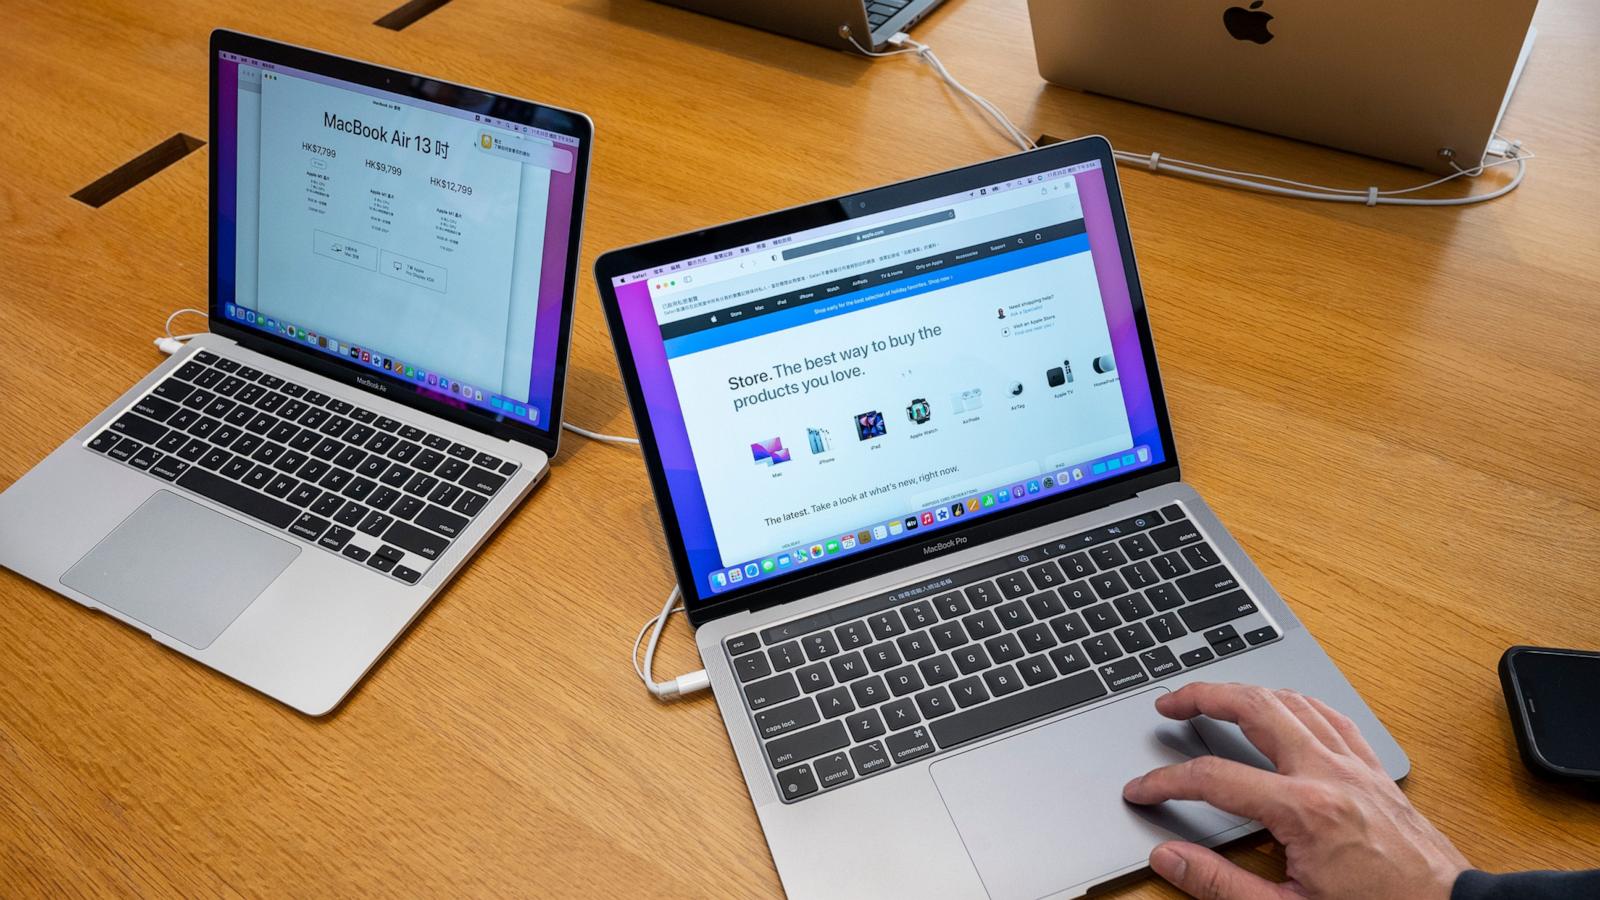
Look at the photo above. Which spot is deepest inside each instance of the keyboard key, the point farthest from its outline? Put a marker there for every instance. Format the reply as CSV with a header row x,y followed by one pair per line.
x,y
169,468
886,624
336,537
371,466
751,666
852,635
1138,547
407,507
1077,595
908,745
1046,575
383,498
848,667
405,452
1231,645
1101,616
951,605
375,523
865,725
832,770
1013,585
1124,674
1036,670
935,703
349,457
969,691
777,689
901,714
1209,613
1049,698
1069,659
786,656
743,643
919,614
170,442
1159,662
1108,556
1261,635
948,635
214,487
428,460
145,458
214,458
870,691
883,656
983,595
1004,648
1164,597
1101,648
904,680
1069,628
508,468
1014,614
1200,555
1204,584
335,479
834,703
139,428
194,449
462,451
359,488
1140,575
1036,638
1108,584
397,475
982,625
267,452
819,645
1078,566
814,677
173,390
1170,537
1046,604
258,477
481,480
451,469
1167,628
824,738
424,485
1134,638
351,514
797,782
469,504
1002,681
308,526
971,658
915,645
869,758
937,669
339,407
154,408
1197,656
359,434
1132,607
280,486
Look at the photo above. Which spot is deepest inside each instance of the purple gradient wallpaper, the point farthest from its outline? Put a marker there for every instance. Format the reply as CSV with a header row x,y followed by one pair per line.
x,y
687,498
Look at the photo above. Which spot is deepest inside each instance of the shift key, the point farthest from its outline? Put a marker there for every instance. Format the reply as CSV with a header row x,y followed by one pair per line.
x,y
803,745
1208,613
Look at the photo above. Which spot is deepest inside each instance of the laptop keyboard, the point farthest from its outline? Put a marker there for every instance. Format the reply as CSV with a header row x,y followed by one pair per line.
x,y
377,492
881,11
866,687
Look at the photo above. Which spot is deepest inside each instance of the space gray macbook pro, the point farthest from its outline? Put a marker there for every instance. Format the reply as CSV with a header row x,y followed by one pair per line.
x,y
392,270
920,490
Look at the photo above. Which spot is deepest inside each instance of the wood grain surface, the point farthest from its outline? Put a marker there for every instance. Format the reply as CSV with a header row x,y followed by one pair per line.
x,y
1393,409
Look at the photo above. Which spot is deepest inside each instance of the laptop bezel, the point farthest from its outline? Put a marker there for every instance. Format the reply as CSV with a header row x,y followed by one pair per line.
x,y
701,606
545,436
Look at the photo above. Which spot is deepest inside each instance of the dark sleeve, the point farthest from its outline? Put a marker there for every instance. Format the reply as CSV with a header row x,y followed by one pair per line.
x,y
1476,885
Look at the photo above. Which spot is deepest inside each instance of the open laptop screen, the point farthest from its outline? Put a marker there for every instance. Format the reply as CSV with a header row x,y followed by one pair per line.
x,y
423,242
880,380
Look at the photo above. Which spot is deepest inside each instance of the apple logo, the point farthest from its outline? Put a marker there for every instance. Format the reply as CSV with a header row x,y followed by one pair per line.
x,y
1248,24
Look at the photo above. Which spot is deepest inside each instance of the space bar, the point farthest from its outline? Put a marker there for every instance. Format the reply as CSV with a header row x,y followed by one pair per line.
x,y
1031,704
237,496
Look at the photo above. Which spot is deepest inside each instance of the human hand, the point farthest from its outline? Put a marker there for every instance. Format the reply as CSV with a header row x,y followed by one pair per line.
x,y
1346,828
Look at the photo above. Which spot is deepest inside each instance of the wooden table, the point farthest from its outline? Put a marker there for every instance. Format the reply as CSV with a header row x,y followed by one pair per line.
x,y
1393,409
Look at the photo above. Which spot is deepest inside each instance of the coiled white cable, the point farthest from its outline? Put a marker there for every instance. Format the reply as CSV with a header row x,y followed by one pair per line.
x,y
1512,153
677,687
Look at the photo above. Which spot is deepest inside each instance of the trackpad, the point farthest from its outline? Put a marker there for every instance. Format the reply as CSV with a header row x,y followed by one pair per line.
x,y
181,568
1043,811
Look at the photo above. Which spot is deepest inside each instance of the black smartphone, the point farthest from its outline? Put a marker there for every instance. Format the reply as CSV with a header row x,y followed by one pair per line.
x,y
1553,697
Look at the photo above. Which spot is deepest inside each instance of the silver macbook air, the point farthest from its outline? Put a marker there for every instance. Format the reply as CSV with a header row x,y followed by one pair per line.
x,y
1422,83
392,270
920,490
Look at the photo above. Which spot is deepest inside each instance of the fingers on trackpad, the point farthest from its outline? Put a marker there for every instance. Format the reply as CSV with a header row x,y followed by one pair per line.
x,y
1042,811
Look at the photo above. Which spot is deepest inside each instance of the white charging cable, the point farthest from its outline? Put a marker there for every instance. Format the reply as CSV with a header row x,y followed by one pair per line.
x,y
677,687
1510,153
171,343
